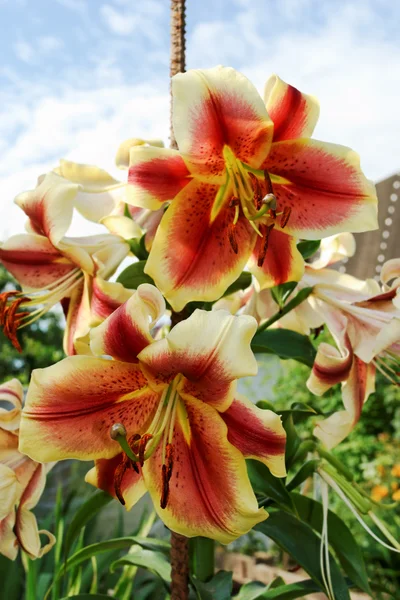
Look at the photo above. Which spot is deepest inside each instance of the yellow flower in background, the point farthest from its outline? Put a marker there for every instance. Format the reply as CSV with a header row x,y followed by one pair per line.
x,y
379,492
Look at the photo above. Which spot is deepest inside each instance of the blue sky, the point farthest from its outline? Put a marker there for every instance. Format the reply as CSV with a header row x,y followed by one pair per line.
x,y
77,77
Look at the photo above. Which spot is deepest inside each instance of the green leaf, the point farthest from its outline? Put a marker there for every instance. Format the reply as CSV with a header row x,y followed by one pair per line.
x,y
218,588
134,275
156,562
308,248
251,591
85,512
107,546
299,540
298,299
266,485
281,293
284,592
293,440
302,474
285,344
241,283
138,247
340,538
87,597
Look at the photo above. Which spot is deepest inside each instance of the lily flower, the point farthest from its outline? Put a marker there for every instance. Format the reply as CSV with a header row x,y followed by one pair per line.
x,y
53,268
246,182
161,416
367,334
22,481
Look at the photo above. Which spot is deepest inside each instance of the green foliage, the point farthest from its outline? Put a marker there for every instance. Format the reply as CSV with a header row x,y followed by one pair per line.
x,y
285,344
41,342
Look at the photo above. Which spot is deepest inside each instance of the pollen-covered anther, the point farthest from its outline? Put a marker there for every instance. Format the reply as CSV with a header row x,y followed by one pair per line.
x,y
166,473
257,190
285,216
118,477
10,319
263,252
232,238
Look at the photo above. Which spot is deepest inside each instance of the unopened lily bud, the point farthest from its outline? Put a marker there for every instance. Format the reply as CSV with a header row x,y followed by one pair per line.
x,y
117,430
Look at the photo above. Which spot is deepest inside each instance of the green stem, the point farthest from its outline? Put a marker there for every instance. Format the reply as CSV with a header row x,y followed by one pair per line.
x,y
202,555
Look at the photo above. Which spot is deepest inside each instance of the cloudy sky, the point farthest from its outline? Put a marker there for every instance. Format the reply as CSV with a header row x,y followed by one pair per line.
x,y
77,77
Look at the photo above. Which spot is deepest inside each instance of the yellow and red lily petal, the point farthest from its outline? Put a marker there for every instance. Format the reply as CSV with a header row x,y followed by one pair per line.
x,y
26,527
218,107
148,220
209,491
334,248
8,539
11,393
125,333
155,175
33,261
294,114
106,297
390,274
103,475
283,262
77,314
108,249
50,206
355,391
71,406
330,367
257,433
99,192
192,257
123,226
123,153
10,490
200,348
323,186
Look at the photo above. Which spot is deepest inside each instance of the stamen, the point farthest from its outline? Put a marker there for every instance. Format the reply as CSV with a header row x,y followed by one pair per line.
x,y
166,474
142,447
263,251
118,477
285,216
257,190
232,238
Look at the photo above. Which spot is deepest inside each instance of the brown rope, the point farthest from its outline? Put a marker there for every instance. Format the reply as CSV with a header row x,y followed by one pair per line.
x,y
177,64
179,567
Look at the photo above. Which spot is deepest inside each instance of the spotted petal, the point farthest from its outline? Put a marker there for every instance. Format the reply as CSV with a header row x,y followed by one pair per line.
x,y
209,492
102,476
127,330
33,261
192,257
294,114
324,187
218,107
282,263
257,433
155,176
71,406
211,349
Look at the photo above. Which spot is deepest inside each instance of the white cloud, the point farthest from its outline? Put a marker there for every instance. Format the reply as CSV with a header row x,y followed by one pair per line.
x,y
49,43
24,51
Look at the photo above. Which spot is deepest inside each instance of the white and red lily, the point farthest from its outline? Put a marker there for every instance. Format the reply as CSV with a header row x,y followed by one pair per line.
x,y
22,481
246,182
53,268
174,403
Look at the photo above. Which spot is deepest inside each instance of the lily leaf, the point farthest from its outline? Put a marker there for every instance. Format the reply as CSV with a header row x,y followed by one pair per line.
x,y
218,588
85,512
340,538
298,539
134,275
156,562
285,344
308,248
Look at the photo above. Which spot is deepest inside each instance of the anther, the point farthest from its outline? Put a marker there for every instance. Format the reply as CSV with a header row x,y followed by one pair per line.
x,y
263,251
118,477
232,238
268,181
234,202
285,216
257,190
166,473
